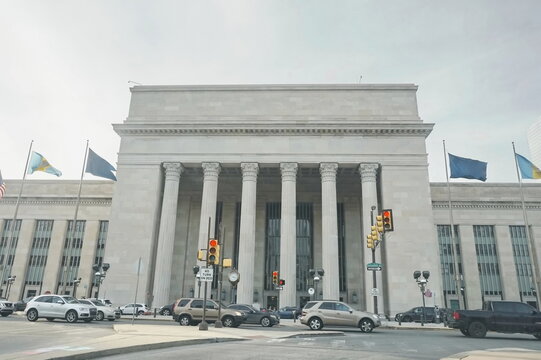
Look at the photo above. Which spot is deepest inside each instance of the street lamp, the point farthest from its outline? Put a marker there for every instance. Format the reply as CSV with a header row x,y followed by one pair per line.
x,y
198,277
422,281
100,273
76,283
10,280
317,274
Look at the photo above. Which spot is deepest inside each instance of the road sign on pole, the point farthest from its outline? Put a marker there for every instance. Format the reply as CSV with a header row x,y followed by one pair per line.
x,y
374,267
206,274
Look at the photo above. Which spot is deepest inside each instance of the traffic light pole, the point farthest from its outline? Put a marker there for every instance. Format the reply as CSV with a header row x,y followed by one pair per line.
x,y
374,279
221,241
204,325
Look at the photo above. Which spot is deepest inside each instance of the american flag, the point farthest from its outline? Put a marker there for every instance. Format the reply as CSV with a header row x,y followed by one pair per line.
x,y
2,187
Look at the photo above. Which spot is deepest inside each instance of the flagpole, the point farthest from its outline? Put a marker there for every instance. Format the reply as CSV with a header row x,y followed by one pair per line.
x,y
453,237
531,244
69,256
13,222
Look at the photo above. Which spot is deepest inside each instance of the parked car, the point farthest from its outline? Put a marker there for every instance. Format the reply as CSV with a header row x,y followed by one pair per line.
x,y
415,315
189,311
499,316
6,308
59,307
317,314
139,309
21,304
289,312
104,311
166,309
254,316
107,302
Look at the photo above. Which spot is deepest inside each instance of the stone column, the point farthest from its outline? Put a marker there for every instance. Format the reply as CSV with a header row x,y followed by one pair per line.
x,y
166,235
288,235
370,198
245,289
329,231
208,206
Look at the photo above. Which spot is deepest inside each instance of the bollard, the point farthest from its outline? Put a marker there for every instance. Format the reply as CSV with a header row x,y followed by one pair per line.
x,y
400,320
155,312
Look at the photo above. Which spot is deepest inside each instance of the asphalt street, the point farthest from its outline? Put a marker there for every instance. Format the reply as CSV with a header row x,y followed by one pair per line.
x,y
382,344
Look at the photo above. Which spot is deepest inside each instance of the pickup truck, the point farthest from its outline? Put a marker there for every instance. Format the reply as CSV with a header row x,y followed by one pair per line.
x,y
498,316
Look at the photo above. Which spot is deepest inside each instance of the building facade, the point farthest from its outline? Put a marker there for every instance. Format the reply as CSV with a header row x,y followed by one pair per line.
x,y
289,178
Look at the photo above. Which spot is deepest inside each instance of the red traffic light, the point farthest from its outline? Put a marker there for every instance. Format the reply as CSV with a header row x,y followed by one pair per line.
x,y
282,282
213,242
387,216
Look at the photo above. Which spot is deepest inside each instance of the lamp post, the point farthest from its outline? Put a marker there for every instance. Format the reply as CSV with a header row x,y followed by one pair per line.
x,y
100,273
10,280
198,277
422,281
317,274
76,283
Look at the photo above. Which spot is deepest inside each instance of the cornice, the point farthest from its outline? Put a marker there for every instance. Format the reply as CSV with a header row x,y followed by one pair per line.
x,y
247,128
56,202
485,205
272,87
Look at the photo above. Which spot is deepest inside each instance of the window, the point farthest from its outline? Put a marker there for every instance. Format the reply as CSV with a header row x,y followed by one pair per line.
x,y
6,259
523,308
44,299
342,307
197,304
446,257
39,252
326,306
523,263
100,246
310,305
183,302
71,258
487,259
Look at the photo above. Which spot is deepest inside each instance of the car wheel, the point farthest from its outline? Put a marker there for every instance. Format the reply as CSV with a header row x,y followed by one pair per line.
x,y
111,319
140,312
397,317
184,320
100,316
315,323
4,314
71,316
465,332
266,322
537,335
228,321
50,319
32,315
87,320
477,329
366,325
406,319
166,312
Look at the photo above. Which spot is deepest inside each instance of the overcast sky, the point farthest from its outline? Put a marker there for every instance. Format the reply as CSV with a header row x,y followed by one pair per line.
x,y
65,66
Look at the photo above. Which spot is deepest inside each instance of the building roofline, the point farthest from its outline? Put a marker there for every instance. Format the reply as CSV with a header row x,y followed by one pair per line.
x,y
272,87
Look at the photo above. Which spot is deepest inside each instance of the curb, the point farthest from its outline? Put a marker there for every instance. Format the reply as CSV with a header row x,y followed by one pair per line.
x,y
137,348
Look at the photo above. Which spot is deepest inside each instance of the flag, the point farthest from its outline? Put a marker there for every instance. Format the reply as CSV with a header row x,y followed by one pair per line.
x,y
98,166
39,163
467,168
2,187
527,169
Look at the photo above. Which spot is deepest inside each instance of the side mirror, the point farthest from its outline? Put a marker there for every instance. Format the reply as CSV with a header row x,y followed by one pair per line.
x,y
60,302
351,311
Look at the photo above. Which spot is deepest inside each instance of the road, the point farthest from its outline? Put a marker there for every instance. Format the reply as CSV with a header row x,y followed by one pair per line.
x,y
382,344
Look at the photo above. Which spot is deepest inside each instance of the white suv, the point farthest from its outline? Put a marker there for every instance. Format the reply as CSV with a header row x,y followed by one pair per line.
x,y
140,309
59,307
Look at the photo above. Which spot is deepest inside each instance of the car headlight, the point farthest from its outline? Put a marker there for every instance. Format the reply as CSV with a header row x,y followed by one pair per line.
x,y
274,316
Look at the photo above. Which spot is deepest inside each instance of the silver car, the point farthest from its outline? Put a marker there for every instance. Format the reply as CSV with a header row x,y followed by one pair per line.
x,y
317,314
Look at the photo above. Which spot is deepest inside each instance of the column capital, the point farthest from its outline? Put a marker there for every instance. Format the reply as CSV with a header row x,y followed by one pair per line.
x,y
368,172
173,170
249,171
211,170
328,171
289,171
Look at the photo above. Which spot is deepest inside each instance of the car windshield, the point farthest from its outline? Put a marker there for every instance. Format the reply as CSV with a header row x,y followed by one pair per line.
x,y
97,303
70,300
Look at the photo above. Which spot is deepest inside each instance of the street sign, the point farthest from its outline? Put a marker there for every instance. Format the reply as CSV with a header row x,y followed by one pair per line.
x,y
311,291
374,291
374,267
206,274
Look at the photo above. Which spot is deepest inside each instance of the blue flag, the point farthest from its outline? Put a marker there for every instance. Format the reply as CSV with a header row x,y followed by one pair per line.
x,y
98,166
467,168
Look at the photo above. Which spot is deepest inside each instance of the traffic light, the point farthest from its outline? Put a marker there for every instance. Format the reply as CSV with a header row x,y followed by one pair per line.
x,y
213,252
387,220
369,242
282,282
379,223
275,277
374,233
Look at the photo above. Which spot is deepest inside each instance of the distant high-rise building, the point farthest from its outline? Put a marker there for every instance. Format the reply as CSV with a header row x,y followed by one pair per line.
x,y
534,142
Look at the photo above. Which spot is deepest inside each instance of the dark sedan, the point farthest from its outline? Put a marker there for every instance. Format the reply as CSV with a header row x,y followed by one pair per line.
x,y
254,316
167,310
289,312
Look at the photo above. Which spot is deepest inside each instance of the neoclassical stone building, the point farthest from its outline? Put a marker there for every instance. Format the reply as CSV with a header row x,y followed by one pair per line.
x,y
289,177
